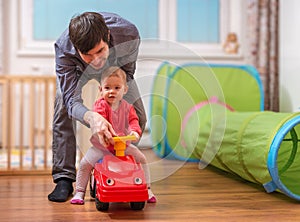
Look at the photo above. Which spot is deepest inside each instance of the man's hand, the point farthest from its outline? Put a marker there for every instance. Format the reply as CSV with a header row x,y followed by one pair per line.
x,y
101,127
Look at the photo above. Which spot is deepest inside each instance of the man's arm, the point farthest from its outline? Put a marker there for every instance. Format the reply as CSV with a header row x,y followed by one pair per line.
x,y
70,83
100,127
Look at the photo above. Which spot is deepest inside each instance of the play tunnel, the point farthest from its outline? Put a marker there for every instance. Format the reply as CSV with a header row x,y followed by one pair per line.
x,y
261,147
214,114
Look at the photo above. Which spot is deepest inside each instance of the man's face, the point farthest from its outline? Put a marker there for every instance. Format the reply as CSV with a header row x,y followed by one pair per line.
x,y
97,56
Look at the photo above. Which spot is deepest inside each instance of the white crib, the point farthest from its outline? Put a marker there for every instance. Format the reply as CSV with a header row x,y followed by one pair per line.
x,y
26,110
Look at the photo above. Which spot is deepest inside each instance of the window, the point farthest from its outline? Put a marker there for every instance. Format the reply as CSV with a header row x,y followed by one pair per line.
x,y
198,21
49,27
200,25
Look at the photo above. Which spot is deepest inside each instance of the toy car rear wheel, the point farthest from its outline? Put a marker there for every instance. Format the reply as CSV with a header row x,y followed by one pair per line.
x,y
101,206
137,205
92,186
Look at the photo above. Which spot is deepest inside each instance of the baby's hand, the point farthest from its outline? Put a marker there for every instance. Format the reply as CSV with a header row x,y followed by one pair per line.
x,y
137,136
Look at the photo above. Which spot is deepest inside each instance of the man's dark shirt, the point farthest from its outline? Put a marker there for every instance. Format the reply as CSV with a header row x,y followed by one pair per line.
x,y
72,72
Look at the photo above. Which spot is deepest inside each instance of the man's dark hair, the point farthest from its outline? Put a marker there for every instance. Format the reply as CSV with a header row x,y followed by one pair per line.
x,y
87,30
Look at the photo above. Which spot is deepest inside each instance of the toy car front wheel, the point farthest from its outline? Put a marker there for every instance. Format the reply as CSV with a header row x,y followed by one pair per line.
x,y
137,205
101,206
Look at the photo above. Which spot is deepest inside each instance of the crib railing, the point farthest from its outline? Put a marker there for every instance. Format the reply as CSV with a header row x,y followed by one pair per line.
x,y
26,109
26,113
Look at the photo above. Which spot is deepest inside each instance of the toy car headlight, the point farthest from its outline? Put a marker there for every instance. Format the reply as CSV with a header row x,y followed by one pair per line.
x,y
138,180
110,181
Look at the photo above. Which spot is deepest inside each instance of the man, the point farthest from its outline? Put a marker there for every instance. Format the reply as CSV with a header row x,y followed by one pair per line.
x,y
92,42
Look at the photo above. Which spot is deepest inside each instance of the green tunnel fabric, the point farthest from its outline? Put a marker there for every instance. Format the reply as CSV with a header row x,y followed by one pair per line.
x,y
214,114
177,89
248,145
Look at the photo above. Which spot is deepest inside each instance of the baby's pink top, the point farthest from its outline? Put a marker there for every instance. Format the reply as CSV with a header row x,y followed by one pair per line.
x,y
123,120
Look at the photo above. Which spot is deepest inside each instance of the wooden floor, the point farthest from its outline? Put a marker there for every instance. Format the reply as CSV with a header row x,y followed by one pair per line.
x,y
184,192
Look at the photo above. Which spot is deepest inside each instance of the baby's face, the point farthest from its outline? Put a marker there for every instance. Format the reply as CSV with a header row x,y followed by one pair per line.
x,y
113,89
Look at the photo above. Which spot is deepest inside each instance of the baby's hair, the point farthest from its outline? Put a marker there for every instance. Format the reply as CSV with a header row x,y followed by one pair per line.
x,y
114,71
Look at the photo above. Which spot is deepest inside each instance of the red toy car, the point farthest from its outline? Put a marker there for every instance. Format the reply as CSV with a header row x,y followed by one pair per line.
x,y
119,179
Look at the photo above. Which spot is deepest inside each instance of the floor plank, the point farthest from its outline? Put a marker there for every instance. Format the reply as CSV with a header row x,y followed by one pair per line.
x,y
184,192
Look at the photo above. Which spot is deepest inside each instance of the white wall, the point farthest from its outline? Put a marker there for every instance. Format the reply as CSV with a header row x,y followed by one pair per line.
x,y
26,56
289,46
14,62
23,57
13,59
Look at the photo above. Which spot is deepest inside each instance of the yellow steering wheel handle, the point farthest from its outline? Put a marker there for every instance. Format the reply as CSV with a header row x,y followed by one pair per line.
x,y
120,144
